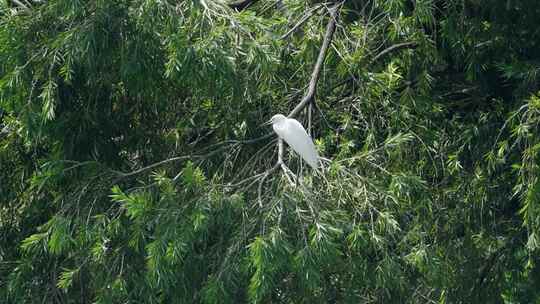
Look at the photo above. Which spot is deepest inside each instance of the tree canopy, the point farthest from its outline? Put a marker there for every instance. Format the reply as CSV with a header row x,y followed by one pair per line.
x,y
134,166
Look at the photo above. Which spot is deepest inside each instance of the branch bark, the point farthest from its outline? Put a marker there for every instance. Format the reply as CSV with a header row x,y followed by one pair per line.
x,y
330,29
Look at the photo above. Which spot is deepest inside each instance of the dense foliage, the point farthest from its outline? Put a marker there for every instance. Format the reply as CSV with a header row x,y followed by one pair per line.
x,y
134,166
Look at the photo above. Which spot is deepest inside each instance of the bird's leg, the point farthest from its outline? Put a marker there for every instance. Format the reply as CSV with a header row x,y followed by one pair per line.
x,y
280,151
310,106
286,170
300,172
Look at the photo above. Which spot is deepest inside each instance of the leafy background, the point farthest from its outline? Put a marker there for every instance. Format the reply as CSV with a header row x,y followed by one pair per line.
x,y
133,156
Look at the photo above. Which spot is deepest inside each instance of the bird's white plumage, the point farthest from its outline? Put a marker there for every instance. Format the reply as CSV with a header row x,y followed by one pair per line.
x,y
294,134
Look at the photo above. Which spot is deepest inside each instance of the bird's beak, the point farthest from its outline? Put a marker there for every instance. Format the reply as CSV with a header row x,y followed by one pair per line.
x,y
269,122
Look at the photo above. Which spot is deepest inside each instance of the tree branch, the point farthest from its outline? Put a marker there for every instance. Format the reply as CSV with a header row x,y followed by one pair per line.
x,y
122,175
408,45
302,20
242,4
330,29
20,4
154,165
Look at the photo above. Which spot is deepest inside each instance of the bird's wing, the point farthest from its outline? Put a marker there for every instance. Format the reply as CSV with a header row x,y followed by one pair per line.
x,y
297,138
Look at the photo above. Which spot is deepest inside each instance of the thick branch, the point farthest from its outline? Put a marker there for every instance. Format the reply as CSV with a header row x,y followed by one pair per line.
x,y
242,4
330,29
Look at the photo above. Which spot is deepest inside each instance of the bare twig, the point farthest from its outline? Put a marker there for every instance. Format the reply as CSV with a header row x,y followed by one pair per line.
x,y
242,4
246,141
302,20
253,178
408,45
154,165
122,175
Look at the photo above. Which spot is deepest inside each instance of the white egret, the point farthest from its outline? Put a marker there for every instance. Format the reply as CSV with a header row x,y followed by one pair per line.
x,y
294,134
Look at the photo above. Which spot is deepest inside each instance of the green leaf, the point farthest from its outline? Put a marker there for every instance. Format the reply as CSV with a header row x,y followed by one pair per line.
x,y
65,280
